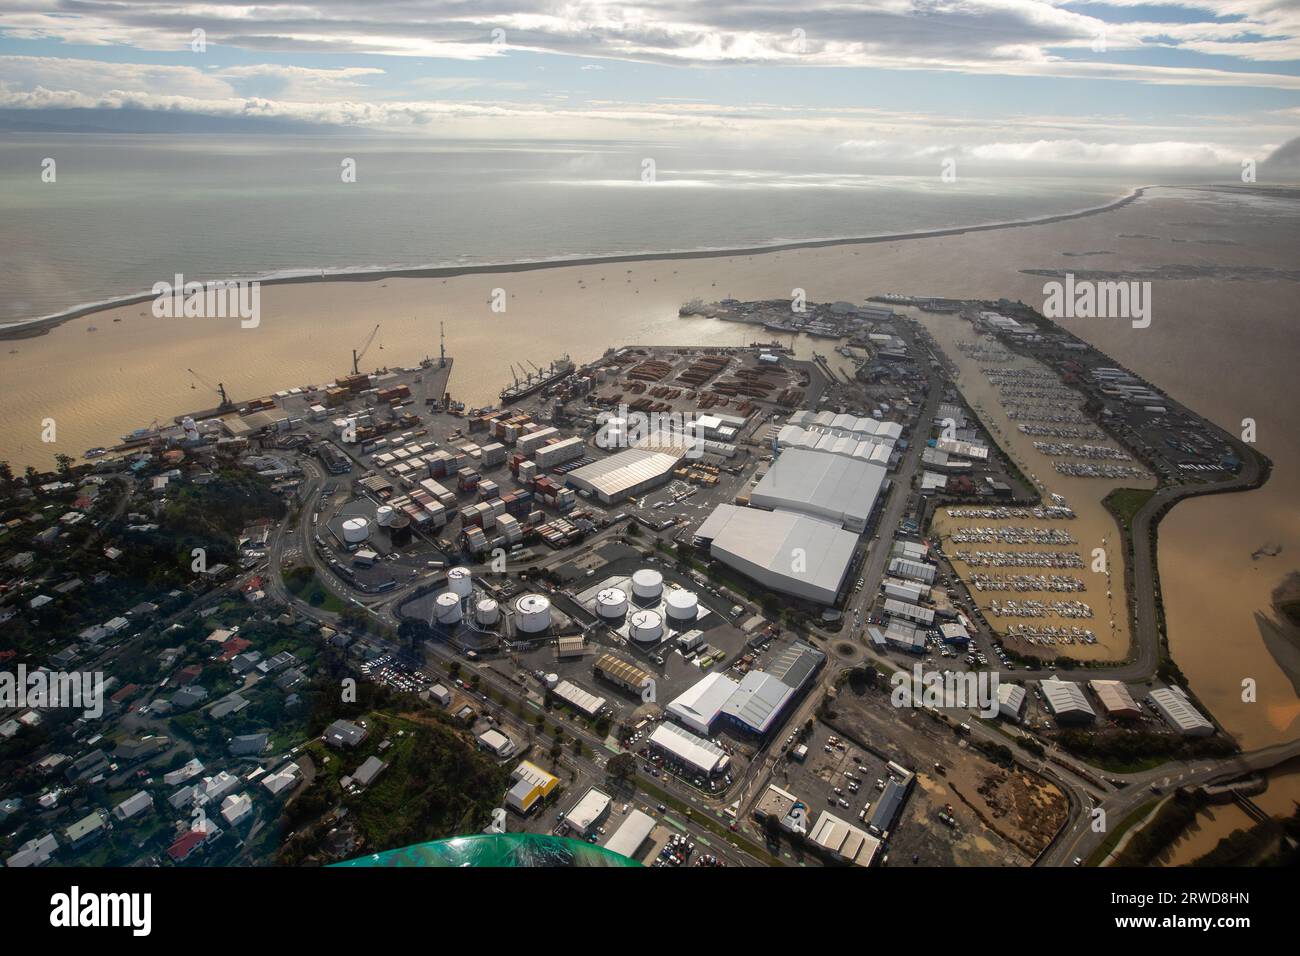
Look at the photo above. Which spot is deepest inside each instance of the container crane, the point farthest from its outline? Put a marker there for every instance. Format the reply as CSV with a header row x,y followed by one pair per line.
x,y
359,354
219,388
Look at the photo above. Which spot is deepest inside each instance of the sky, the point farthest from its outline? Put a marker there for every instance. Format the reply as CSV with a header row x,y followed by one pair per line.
x,y
1179,84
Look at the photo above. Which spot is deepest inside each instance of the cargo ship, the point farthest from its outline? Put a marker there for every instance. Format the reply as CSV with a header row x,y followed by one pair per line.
x,y
534,382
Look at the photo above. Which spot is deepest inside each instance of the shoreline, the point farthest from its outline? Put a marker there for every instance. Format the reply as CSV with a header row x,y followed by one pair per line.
x,y
31,328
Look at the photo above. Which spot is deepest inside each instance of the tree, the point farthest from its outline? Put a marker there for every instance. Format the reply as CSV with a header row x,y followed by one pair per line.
x,y
621,766
65,465
33,479
6,476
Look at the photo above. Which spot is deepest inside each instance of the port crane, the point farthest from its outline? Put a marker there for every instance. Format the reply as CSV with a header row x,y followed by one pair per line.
x,y
359,354
219,388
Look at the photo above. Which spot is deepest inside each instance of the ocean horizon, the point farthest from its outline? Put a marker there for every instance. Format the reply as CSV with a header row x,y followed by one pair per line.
x,y
129,210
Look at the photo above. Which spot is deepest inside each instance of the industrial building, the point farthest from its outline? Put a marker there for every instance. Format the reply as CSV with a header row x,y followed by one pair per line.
x,y
912,570
531,783
579,699
700,704
888,806
623,674
900,635
496,742
1171,703
832,487
1067,701
757,703
909,612
585,815
703,756
1115,699
1011,701
844,841
790,553
625,474
631,834
796,664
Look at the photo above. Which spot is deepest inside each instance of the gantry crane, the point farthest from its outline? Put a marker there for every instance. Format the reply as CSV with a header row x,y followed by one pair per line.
x,y
219,388
359,354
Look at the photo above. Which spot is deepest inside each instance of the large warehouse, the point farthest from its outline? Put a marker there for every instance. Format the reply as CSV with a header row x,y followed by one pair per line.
x,y
703,756
758,702
1172,704
1115,698
631,834
790,553
1066,701
701,703
834,487
625,474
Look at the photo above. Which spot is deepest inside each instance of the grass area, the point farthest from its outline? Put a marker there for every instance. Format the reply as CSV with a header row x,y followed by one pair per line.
x,y
303,583
707,821
1125,503
1113,838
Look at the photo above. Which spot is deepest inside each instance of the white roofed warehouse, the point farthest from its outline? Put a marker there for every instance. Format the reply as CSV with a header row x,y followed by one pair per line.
x,y
1011,701
700,704
579,699
586,814
1067,701
832,487
625,474
699,755
1172,704
791,553
758,702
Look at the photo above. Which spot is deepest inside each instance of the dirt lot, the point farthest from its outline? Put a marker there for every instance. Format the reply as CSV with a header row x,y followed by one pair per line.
x,y
1001,817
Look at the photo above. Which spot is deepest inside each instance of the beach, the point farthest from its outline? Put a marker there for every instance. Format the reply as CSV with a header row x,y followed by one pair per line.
x,y
1224,346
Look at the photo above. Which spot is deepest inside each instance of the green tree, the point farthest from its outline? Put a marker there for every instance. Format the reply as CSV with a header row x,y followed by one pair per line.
x,y
621,766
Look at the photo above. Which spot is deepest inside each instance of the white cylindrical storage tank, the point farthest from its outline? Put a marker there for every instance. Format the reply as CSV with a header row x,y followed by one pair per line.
x,y
551,681
646,627
446,608
532,614
611,602
384,515
647,584
356,530
486,611
682,605
460,582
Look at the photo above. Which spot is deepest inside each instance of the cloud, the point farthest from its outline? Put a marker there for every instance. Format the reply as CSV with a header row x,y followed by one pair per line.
x,y
1013,37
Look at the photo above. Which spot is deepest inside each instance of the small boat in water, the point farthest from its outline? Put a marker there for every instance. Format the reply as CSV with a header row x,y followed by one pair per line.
x,y
94,452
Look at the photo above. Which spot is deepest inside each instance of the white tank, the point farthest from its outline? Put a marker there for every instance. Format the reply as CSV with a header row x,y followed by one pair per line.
x,y
646,627
647,584
682,605
356,530
532,614
191,429
384,516
460,582
551,681
611,602
446,608
486,611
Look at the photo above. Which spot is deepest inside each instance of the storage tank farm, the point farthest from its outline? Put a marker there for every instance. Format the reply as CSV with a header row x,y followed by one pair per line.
x,y
446,608
683,606
532,614
486,612
611,603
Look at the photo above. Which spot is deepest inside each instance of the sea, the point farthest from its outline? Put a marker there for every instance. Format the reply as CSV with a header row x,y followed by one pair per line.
x,y
89,218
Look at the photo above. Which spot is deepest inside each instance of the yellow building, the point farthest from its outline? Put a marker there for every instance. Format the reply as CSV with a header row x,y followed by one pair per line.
x,y
532,783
